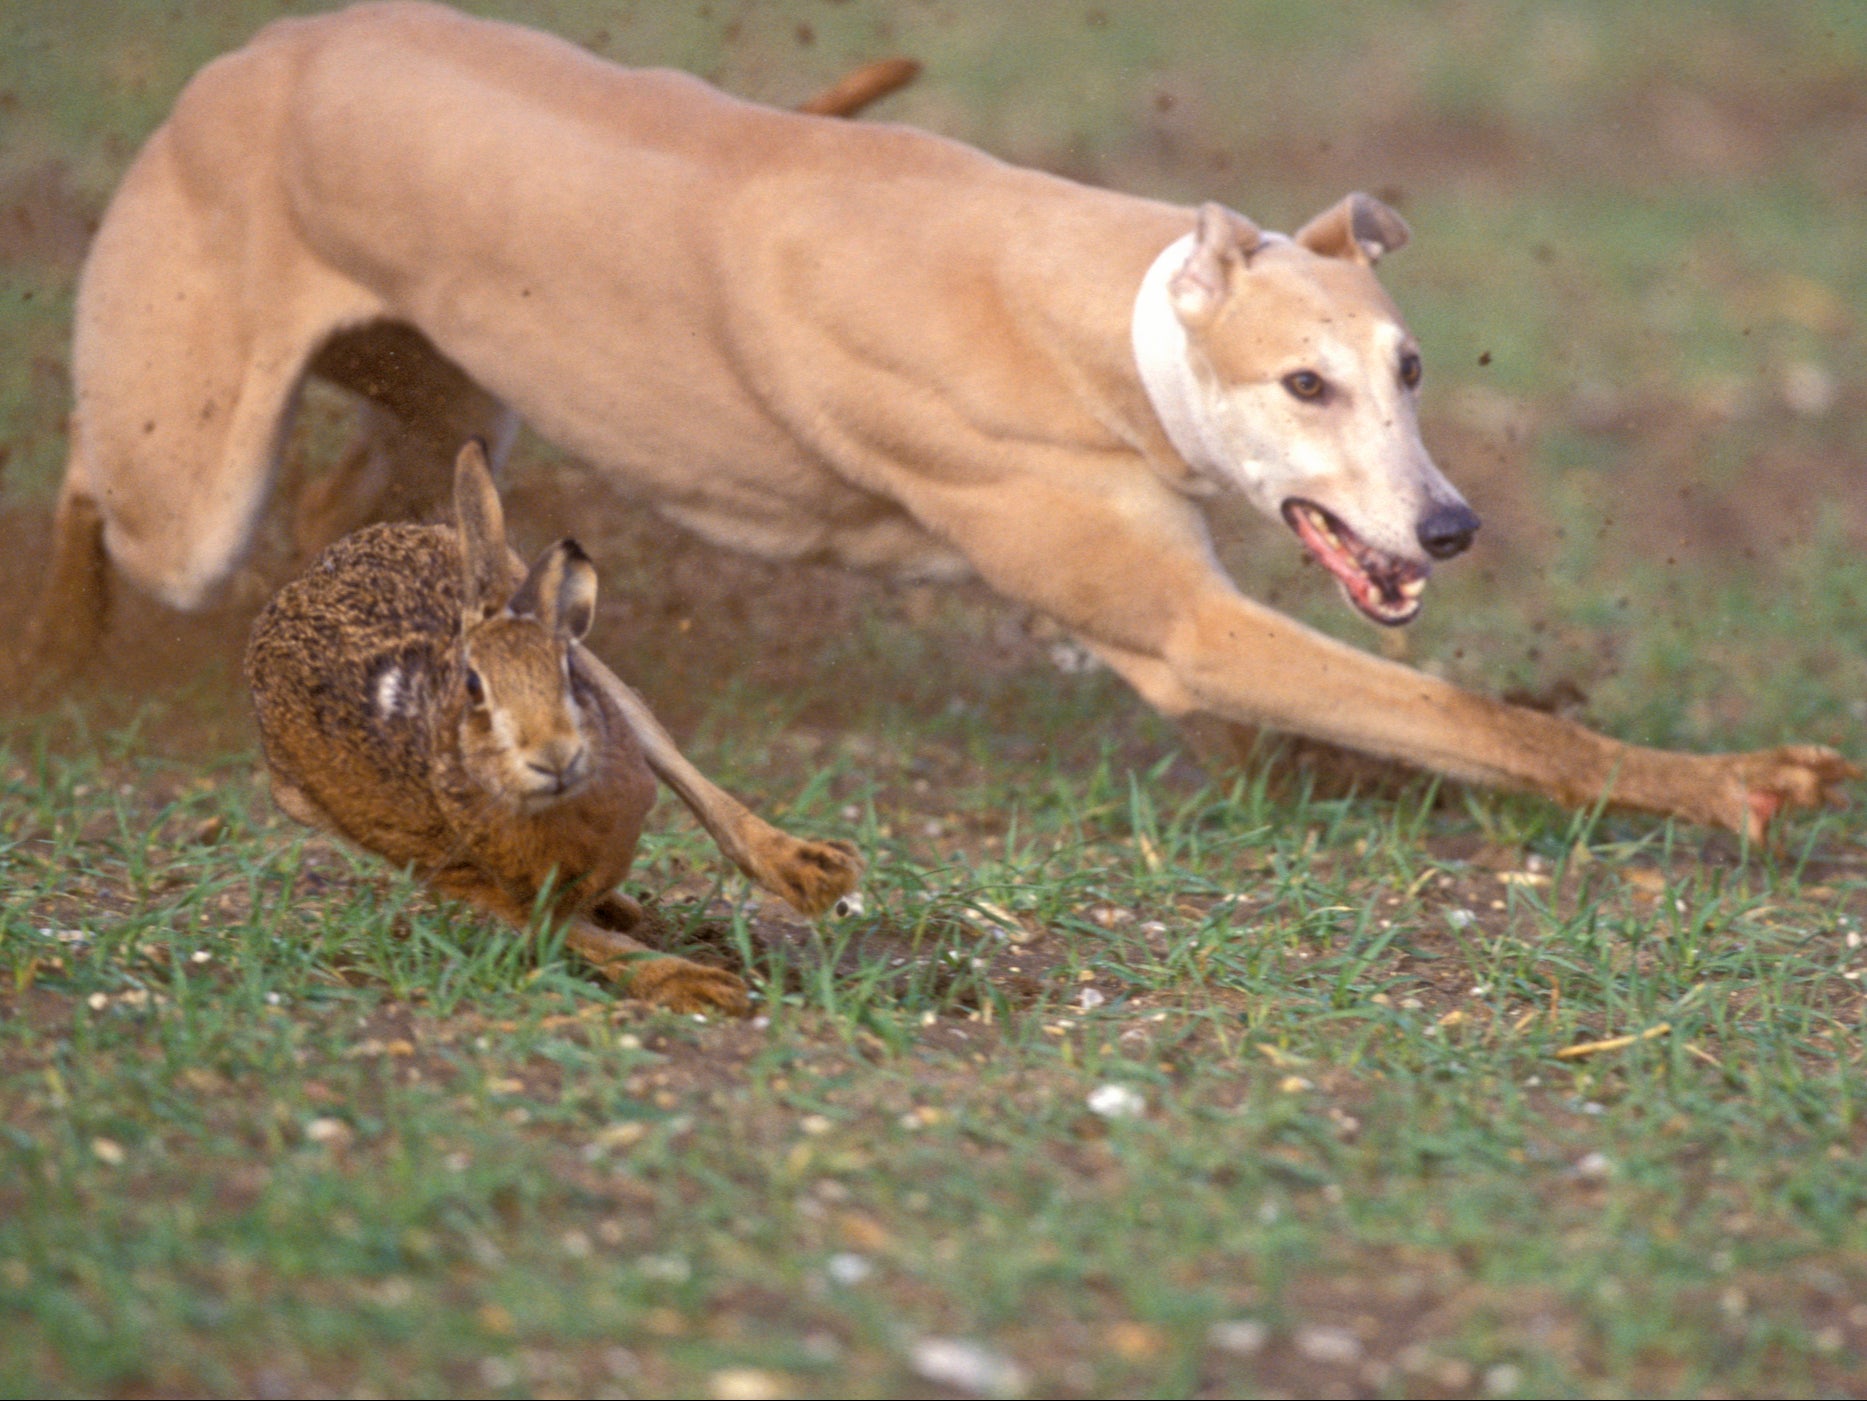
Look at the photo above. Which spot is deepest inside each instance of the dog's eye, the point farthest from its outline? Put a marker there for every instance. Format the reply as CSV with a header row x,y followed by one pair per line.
x,y
476,688
1410,370
1305,384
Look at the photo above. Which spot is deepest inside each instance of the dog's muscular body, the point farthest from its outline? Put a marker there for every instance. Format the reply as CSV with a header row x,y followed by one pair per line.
x,y
802,337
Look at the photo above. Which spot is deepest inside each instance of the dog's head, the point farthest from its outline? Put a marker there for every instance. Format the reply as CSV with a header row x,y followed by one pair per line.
x,y
1280,368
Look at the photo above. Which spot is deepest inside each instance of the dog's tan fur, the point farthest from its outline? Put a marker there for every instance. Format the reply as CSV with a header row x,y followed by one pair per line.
x,y
801,337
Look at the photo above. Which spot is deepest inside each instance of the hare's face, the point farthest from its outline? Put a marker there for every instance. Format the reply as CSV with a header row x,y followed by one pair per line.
x,y
522,732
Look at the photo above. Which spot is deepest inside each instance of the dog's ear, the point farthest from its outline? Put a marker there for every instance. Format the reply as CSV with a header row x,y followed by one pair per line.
x,y
1360,228
1221,241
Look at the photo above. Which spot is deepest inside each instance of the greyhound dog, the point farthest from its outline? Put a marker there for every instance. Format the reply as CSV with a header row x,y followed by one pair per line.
x,y
798,336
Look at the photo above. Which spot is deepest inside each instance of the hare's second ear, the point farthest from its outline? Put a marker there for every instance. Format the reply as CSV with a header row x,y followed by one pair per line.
x,y
485,564
560,591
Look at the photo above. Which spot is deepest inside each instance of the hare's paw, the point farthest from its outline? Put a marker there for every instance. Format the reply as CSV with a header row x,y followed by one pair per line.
x,y
812,876
681,986
1769,781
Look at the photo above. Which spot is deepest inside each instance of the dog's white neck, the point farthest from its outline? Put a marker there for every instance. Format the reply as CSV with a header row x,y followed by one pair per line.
x,y
1162,355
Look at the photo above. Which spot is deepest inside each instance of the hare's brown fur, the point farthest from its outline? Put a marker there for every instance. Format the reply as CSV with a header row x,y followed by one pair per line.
x,y
355,669
364,674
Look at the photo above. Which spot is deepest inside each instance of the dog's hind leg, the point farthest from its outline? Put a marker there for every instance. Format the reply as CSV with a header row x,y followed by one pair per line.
x,y
183,389
418,408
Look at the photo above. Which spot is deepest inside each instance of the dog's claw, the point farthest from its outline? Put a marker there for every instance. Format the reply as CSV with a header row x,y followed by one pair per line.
x,y
1771,781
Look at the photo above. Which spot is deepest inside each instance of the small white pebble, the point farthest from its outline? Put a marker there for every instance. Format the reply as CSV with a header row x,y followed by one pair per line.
x,y
746,1384
668,1269
1116,1102
1502,1379
498,1373
1594,1166
331,1132
1323,1343
848,1269
1807,388
1242,1337
967,1367
1090,998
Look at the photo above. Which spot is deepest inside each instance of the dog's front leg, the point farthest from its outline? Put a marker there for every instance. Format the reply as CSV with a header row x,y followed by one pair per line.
x,y
1133,573
1239,660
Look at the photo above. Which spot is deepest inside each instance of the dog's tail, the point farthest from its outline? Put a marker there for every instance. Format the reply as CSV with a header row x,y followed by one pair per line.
x,y
858,88
64,630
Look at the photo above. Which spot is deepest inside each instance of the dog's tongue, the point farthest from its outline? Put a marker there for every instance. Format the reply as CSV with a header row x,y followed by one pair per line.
x,y
1392,598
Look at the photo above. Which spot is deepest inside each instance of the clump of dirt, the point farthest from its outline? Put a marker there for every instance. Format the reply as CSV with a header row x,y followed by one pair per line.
x,y
45,219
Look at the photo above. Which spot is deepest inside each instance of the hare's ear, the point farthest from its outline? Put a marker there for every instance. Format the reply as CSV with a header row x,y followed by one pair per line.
x,y
560,591
485,564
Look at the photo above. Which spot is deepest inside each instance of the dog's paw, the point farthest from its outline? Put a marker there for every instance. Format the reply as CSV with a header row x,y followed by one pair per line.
x,y
1767,782
682,986
811,876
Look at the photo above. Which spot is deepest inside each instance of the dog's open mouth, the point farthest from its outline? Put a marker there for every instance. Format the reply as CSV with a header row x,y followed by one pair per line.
x,y
1385,588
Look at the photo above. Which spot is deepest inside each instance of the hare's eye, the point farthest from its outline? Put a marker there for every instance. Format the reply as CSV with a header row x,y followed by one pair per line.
x,y
1410,370
476,688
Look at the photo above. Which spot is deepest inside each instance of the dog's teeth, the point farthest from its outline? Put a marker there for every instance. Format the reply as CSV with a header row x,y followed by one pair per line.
x,y
1413,588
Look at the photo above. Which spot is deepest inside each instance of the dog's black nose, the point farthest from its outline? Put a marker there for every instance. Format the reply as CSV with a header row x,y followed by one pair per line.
x,y
1448,530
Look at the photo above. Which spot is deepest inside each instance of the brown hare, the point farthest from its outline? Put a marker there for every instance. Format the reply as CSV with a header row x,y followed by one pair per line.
x,y
423,696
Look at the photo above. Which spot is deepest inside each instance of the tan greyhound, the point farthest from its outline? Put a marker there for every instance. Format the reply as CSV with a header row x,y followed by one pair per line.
x,y
798,336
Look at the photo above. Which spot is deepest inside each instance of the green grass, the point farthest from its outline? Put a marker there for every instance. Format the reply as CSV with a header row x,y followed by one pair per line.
x,y
273,1114
272,1120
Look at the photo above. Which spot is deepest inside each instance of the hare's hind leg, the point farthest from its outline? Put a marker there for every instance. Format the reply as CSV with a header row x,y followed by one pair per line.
x,y
641,972
663,979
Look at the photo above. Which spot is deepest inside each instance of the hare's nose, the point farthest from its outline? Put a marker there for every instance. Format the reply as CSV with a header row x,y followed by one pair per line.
x,y
562,770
